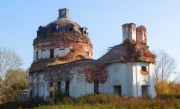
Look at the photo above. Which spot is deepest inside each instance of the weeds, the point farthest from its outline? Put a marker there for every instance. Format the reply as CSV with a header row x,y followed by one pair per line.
x,y
104,101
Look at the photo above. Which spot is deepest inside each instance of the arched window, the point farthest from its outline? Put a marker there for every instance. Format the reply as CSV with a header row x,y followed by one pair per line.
x,y
144,71
85,32
54,27
70,28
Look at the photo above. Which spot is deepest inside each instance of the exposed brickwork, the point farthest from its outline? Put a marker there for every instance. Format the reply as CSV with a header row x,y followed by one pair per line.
x,y
129,52
58,35
141,34
93,70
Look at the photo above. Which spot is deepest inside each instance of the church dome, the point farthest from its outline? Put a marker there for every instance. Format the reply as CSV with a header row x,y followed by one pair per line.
x,y
59,42
63,23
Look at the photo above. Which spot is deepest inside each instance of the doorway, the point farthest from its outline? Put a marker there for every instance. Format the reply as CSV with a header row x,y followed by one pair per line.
x,y
96,87
144,90
117,90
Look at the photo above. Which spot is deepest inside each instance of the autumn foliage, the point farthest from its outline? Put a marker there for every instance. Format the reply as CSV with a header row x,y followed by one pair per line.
x,y
164,87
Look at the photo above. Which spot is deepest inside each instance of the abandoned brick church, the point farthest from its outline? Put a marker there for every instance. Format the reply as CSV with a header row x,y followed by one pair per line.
x,y
62,60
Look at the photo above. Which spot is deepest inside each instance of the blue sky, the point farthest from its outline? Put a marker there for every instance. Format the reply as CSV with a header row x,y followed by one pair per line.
x,y
20,19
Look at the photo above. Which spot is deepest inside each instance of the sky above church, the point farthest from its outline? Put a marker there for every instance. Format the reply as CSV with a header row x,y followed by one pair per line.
x,y
20,19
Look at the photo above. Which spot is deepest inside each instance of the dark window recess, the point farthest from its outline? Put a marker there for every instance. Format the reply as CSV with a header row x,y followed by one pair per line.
x,y
31,94
53,29
51,90
67,88
70,29
51,84
96,87
59,86
72,50
85,32
61,49
51,53
36,55
144,68
87,53
37,89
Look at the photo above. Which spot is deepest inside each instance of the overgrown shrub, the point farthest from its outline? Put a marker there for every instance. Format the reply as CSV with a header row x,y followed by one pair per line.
x,y
164,87
58,96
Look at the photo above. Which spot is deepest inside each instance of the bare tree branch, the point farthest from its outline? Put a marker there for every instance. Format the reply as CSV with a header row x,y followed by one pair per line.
x,y
9,73
9,60
165,65
177,78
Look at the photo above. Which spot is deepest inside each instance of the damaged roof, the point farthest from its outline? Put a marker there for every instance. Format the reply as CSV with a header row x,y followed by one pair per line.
x,y
93,70
129,52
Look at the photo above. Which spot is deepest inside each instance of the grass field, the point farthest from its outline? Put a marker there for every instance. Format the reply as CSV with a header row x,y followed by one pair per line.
x,y
103,101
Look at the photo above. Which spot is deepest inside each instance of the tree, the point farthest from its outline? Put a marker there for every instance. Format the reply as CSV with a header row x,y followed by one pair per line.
x,y
165,69
177,78
10,75
9,61
165,65
14,82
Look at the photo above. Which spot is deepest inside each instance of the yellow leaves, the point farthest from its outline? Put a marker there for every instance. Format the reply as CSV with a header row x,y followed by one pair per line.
x,y
167,88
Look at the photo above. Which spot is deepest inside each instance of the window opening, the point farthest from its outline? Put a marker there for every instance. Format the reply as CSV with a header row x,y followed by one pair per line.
x,y
144,68
51,90
70,29
84,32
36,55
67,88
51,53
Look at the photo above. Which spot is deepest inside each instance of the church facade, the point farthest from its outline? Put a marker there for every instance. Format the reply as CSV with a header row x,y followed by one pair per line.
x,y
62,60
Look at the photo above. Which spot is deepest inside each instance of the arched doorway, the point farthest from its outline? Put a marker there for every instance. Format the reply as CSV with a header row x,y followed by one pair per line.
x,y
144,88
117,87
117,90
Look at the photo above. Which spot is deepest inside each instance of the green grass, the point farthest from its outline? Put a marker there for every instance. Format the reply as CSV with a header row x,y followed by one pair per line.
x,y
103,101
78,106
